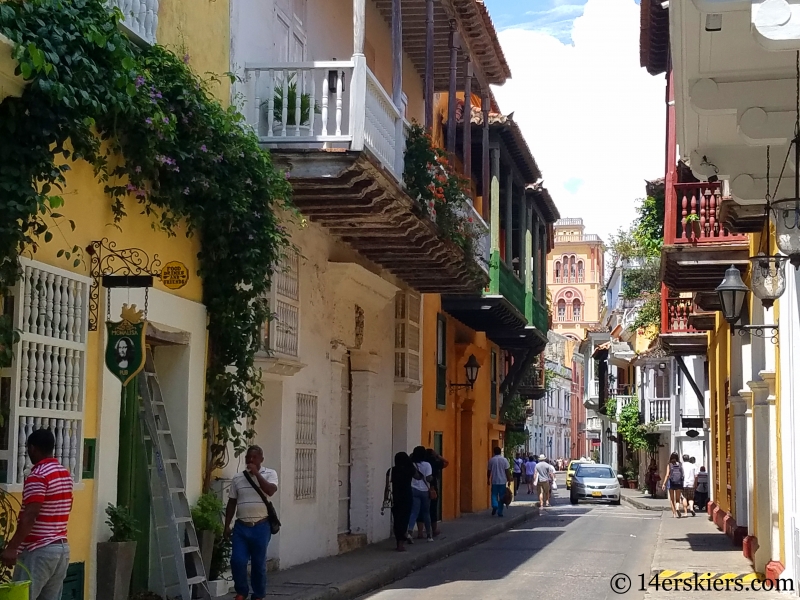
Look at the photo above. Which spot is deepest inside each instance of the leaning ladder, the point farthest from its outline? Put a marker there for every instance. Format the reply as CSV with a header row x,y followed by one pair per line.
x,y
182,573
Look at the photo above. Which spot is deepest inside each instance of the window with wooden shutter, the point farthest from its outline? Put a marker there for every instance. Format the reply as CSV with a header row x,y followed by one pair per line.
x,y
45,385
282,332
493,398
407,309
441,361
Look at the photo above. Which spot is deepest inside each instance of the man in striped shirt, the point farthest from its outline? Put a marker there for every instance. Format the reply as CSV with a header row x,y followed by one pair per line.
x,y
40,541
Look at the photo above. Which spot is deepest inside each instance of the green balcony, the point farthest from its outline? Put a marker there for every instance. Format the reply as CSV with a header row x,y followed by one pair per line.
x,y
508,285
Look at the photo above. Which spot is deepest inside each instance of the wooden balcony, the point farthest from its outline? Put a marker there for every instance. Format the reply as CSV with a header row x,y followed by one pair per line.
x,y
698,245
533,381
684,325
341,139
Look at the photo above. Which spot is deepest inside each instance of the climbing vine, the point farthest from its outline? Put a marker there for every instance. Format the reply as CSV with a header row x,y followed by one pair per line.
x,y
156,138
442,193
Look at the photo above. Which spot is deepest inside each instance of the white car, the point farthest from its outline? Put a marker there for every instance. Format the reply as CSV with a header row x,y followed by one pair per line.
x,y
595,482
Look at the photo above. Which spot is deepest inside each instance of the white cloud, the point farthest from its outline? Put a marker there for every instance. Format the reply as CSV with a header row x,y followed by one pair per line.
x,y
590,113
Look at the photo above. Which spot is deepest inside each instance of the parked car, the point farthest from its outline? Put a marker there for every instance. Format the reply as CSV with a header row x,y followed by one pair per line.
x,y
595,482
573,464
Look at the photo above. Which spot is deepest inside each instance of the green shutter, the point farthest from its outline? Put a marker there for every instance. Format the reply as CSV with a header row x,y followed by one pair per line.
x,y
73,582
89,448
441,362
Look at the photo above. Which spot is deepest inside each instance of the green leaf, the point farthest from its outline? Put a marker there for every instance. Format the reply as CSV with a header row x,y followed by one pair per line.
x,y
48,236
26,70
60,253
76,262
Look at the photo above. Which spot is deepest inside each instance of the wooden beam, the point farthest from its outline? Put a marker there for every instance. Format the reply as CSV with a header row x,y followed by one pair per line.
x,y
429,65
495,200
359,26
485,155
509,220
451,97
397,53
467,150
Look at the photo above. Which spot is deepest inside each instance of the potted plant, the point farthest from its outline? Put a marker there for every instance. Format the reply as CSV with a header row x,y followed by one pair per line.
x,y
307,104
692,225
115,557
631,477
207,518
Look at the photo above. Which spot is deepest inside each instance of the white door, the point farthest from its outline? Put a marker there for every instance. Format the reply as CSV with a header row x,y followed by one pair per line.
x,y
290,35
345,460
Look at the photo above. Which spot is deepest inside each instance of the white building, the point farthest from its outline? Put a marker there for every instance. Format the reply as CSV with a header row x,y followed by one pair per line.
x,y
557,432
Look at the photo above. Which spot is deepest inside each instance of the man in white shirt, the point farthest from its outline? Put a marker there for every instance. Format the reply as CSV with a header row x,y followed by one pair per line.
x,y
689,475
497,474
251,533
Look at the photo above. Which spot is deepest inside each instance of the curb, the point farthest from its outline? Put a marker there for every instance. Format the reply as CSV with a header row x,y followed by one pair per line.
x,y
404,567
642,506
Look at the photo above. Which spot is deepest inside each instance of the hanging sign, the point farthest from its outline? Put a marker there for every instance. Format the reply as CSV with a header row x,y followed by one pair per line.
x,y
174,275
125,349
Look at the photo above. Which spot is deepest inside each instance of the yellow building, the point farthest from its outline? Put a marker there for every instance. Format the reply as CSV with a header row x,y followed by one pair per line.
x,y
57,377
575,278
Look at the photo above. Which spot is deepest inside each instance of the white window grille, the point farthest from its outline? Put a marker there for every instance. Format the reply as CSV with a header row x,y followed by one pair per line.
x,y
305,451
45,384
407,337
282,332
140,18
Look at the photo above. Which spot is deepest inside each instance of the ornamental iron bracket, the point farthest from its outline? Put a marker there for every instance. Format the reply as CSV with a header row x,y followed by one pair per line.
x,y
111,267
758,331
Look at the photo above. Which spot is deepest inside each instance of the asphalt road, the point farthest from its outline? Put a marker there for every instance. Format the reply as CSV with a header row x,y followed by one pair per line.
x,y
567,552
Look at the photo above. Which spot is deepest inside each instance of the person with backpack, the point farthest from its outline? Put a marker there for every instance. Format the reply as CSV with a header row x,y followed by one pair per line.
x,y
398,496
673,481
421,492
701,490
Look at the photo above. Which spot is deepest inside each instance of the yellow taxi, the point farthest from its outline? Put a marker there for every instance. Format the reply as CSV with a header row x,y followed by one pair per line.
x,y
571,470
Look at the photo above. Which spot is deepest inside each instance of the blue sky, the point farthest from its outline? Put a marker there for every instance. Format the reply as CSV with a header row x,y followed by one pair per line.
x,y
553,17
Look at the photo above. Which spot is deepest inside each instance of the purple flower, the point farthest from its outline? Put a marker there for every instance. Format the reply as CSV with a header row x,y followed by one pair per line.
x,y
186,59
186,191
218,158
286,175
139,82
131,187
166,120
149,121
203,148
138,169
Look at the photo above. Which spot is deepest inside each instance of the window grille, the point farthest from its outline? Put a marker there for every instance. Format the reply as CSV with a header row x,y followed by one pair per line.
x,y
45,384
282,332
305,452
441,361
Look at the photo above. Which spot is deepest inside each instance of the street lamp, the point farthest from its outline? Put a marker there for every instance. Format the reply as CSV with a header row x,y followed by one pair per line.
x,y
471,368
732,294
608,434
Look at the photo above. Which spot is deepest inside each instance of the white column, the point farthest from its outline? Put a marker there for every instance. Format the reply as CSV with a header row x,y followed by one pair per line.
x,y
761,475
775,534
739,407
358,85
747,396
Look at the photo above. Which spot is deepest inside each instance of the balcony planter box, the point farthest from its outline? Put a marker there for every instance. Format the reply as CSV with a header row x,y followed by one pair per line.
x,y
219,587
114,569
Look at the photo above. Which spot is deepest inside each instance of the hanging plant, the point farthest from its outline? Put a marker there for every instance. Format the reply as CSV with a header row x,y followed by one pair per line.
x,y
156,137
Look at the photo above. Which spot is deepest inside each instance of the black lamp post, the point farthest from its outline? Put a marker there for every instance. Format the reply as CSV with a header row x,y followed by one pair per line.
x,y
471,368
732,295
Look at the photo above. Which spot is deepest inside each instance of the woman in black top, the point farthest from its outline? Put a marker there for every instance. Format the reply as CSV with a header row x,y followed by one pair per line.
x,y
399,477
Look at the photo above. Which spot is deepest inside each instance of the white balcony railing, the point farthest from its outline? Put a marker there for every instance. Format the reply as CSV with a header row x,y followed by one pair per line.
x,y
140,18
331,104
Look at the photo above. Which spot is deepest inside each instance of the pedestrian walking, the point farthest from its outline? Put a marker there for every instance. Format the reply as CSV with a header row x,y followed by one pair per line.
x,y
543,477
701,489
652,477
397,494
248,501
437,463
421,491
497,474
530,473
673,481
517,467
40,541
689,475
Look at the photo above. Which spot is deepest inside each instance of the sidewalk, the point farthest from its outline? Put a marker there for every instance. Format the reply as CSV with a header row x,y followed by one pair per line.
x,y
643,501
694,544
349,575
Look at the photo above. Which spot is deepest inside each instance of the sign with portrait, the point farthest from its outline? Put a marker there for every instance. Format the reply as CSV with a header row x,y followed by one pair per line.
x,y
125,348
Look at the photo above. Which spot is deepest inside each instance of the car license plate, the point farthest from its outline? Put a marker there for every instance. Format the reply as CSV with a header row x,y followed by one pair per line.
x,y
597,494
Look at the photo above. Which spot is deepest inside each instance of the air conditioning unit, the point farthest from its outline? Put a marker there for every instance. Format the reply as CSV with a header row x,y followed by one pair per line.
x,y
408,308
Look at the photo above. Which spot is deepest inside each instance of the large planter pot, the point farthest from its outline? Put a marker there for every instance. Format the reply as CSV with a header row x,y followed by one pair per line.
x,y
114,569
206,540
632,484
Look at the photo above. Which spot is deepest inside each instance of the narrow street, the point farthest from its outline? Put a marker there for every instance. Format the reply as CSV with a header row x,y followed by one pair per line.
x,y
567,552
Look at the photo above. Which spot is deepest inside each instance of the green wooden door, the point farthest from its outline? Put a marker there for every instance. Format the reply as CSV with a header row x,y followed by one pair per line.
x,y
438,446
133,489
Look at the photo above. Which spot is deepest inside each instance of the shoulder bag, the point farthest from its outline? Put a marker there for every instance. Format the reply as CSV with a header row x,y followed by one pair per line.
x,y
272,514
432,493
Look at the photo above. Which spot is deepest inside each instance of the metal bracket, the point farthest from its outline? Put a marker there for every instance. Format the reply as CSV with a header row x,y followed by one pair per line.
x,y
758,331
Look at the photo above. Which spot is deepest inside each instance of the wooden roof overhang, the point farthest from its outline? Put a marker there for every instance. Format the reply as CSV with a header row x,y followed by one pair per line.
x,y
654,37
742,218
702,321
502,322
356,199
708,301
685,343
479,40
687,268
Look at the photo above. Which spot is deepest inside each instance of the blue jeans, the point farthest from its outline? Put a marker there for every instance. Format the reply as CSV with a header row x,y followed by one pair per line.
x,y
420,507
249,544
48,568
498,491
